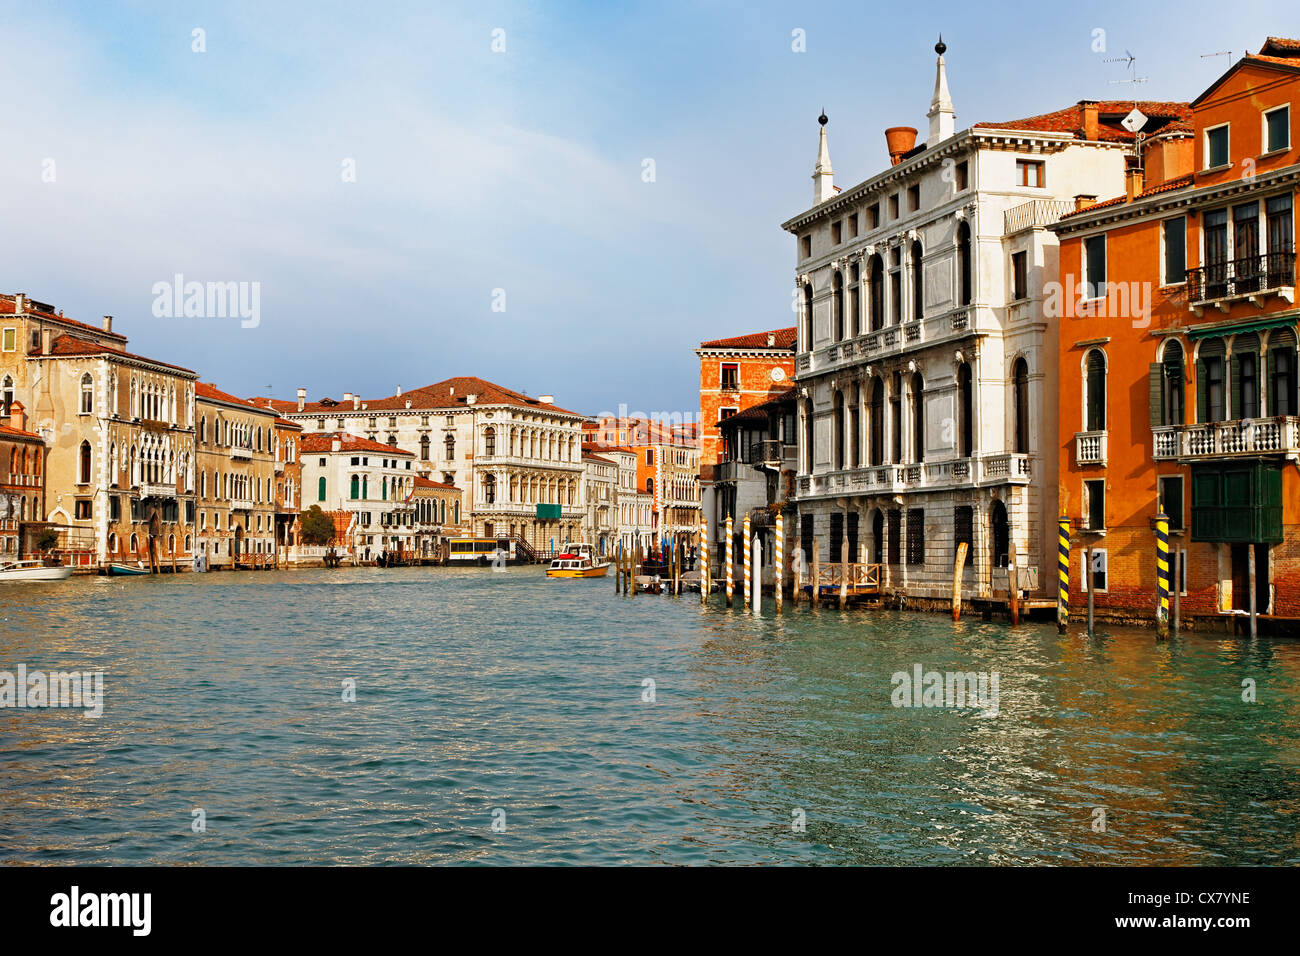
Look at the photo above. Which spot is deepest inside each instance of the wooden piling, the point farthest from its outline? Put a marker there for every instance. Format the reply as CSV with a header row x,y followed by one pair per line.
x,y
747,568
618,567
815,576
957,567
844,574
1088,576
706,585
731,565
1250,564
778,570
1013,582
1178,586
757,564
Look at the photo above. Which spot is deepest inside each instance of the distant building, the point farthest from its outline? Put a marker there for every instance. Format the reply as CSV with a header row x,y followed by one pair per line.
x,y
668,470
22,485
371,481
738,373
600,495
435,508
236,458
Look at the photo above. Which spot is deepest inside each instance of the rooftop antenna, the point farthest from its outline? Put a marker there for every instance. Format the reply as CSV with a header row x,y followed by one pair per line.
x,y
1136,119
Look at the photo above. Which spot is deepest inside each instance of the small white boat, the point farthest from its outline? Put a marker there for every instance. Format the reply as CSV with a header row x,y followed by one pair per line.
x,y
34,571
578,561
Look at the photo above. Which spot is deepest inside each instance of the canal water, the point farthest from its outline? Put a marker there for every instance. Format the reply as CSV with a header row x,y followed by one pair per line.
x,y
507,718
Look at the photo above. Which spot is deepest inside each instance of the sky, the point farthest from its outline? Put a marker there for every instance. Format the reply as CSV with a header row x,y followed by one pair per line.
x,y
563,198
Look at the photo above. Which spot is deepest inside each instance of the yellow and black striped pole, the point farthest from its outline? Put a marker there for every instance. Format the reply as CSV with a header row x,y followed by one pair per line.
x,y
1063,572
1162,574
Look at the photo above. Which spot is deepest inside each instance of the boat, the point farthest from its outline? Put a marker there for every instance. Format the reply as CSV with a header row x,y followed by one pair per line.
x,y
577,561
34,571
118,568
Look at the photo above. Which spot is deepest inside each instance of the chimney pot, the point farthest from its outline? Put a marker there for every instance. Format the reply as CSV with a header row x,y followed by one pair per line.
x,y
1133,182
771,339
899,140
302,398
546,399
20,303
356,401
108,323
16,416
1083,201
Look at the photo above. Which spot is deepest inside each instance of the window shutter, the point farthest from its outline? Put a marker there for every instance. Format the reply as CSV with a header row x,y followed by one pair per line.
x,y
1157,393
1234,388
1271,378
1202,398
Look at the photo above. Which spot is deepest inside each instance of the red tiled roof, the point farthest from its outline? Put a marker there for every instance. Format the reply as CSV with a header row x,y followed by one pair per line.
x,y
422,482
71,345
1168,185
762,409
1160,118
449,393
317,442
8,431
212,393
785,341
9,306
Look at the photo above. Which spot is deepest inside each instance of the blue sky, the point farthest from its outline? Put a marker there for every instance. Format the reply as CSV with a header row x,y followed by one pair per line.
x,y
478,171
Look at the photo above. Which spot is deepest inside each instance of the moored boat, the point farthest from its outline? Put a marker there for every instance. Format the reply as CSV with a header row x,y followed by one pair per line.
x,y
34,571
578,561
116,568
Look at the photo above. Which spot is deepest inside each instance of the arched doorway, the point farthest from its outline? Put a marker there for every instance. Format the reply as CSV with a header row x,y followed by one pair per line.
x,y
877,537
1001,533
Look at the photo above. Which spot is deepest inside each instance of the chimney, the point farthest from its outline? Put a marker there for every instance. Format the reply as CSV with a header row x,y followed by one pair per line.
x,y
546,399
108,323
16,416
823,176
47,341
1083,201
771,339
356,401
347,397
399,391
1089,110
336,445
470,399
302,398
1132,182
20,303
900,140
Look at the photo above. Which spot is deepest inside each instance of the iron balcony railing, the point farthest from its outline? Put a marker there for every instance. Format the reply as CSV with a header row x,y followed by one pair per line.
x,y
1233,278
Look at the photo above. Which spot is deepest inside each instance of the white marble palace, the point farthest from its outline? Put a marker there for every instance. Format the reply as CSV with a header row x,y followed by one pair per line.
x,y
926,365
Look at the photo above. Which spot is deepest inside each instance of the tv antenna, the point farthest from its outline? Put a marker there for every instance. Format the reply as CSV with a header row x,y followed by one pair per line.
x,y
1130,61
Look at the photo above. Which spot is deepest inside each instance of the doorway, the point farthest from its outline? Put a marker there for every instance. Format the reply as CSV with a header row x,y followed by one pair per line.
x,y
1241,578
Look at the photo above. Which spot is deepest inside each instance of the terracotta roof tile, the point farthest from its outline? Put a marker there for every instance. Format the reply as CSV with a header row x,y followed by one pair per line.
x,y
9,306
212,393
785,341
1159,114
66,345
8,431
1168,185
448,394
316,443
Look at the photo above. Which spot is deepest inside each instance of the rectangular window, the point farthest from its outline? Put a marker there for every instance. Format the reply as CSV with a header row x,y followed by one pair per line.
x,y
1180,570
963,522
837,537
963,175
1029,172
1216,407
1098,569
726,412
893,206
873,216
10,340
730,376
913,198
1175,239
836,233
1171,500
1277,129
1019,275
895,535
1094,497
1094,251
82,511
916,536
853,226
1216,147
114,508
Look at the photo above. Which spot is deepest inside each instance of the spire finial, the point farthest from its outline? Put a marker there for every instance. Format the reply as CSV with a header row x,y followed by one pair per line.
x,y
941,48
822,119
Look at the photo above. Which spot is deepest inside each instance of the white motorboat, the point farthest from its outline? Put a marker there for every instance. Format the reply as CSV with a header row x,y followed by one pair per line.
x,y
34,571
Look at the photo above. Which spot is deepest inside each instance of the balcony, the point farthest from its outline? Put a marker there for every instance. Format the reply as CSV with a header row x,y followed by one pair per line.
x,y
157,490
241,504
772,453
980,471
240,453
1090,448
1252,278
1036,212
1260,436
279,467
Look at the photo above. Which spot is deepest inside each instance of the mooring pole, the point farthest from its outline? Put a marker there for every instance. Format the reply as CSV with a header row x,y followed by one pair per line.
x,y
1250,552
1087,575
705,585
1179,571
957,566
778,571
731,564
1162,575
1013,582
816,574
1063,574
747,568
757,564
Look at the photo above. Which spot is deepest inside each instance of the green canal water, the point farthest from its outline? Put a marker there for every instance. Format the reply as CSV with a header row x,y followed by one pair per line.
x,y
487,697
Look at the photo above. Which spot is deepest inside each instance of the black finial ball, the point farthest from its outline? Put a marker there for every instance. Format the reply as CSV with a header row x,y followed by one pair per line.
x,y
822,119
941,48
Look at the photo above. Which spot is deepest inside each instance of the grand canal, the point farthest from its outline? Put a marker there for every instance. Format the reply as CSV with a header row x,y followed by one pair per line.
x,y
508,698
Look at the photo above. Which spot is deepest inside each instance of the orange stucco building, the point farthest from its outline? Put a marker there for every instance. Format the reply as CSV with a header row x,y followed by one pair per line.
x,y
1178,359
738,373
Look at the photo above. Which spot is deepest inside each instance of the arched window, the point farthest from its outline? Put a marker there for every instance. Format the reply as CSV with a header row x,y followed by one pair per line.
x,y
1245,376
837,431
918,417
355,487
489,441
1020,397
424,448
1282,372
450,442
87,394
320,489
918,285
876,415
83,467
837,306
1095,391
650,486
855,426
965,412
1211,387
1168,387
7,394
896,417
963,264
855,300
876,291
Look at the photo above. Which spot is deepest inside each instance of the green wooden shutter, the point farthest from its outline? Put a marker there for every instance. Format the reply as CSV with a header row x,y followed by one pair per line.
x,y
1202,396
1269,378
1157,394
1234,389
